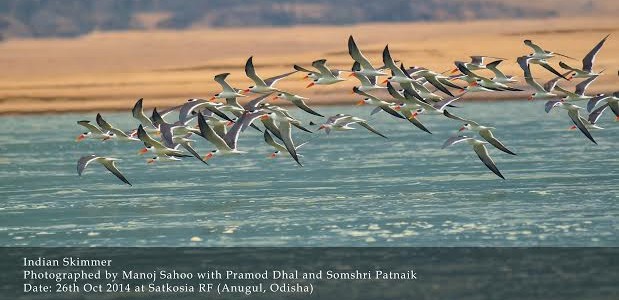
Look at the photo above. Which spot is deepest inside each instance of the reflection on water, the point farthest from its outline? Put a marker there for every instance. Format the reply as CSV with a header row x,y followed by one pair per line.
x,y
355,188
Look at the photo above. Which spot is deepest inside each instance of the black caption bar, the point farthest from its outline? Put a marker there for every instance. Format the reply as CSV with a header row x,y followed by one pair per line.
x,y
309,273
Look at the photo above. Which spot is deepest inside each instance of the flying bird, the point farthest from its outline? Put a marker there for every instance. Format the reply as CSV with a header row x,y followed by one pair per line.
x,y
479,148
587,62
262,86
343,122
107,162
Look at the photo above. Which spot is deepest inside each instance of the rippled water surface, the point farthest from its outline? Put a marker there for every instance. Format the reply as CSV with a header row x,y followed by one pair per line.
x,y
355,188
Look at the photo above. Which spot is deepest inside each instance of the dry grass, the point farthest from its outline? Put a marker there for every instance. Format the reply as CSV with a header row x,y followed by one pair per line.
x,y
108,71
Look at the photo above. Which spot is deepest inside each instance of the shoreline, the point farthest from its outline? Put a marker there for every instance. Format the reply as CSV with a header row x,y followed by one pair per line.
x,y
126,105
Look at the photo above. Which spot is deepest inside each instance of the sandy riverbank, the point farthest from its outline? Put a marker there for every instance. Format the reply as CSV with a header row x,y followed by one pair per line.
x,y
109,71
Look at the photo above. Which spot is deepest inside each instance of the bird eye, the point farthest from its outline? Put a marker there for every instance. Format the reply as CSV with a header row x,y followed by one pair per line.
x,y
214,151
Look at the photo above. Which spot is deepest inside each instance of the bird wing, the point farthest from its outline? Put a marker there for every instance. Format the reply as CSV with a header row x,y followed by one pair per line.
x,y
364,94
251,72
147,139
455,140
550,104
321,65
356,54
302,105
90,127
412,98
194,105
535,47
581,87
594,101
597,113
575,116
83,162
550,85
417,123
272,80
221,79
299,68
433,81
269,140
551,69
587,61
138,113
388,61
210,135
391,111
394,93
444,103
458,118
286,132
488,136
111,166
368,127
190,149
255,103
483,155
103,124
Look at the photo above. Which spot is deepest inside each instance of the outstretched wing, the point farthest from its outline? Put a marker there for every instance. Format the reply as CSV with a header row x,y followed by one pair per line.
x,y
356,54
587,61
111,166
455,140
575,116
90,127
483,155
272,80
83,162
251,72
488,136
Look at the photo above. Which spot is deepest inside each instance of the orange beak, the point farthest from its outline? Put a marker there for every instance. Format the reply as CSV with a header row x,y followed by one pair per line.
x,y
208,156
385,81
106,138
245,91
462,128
321,127
275,98
572,128
150,161
454,71
361,102
617,119
352,74
397,107
142,151
570,78
80,137
264,117
413,115
474,83
212,99
273,155
306,77
310,84
230,123
530,98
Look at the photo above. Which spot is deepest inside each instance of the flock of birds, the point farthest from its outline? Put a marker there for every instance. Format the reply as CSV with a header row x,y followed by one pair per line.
x,y
421,92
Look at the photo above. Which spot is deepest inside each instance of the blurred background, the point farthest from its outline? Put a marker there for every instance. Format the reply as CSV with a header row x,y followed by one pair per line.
x,y
82,55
